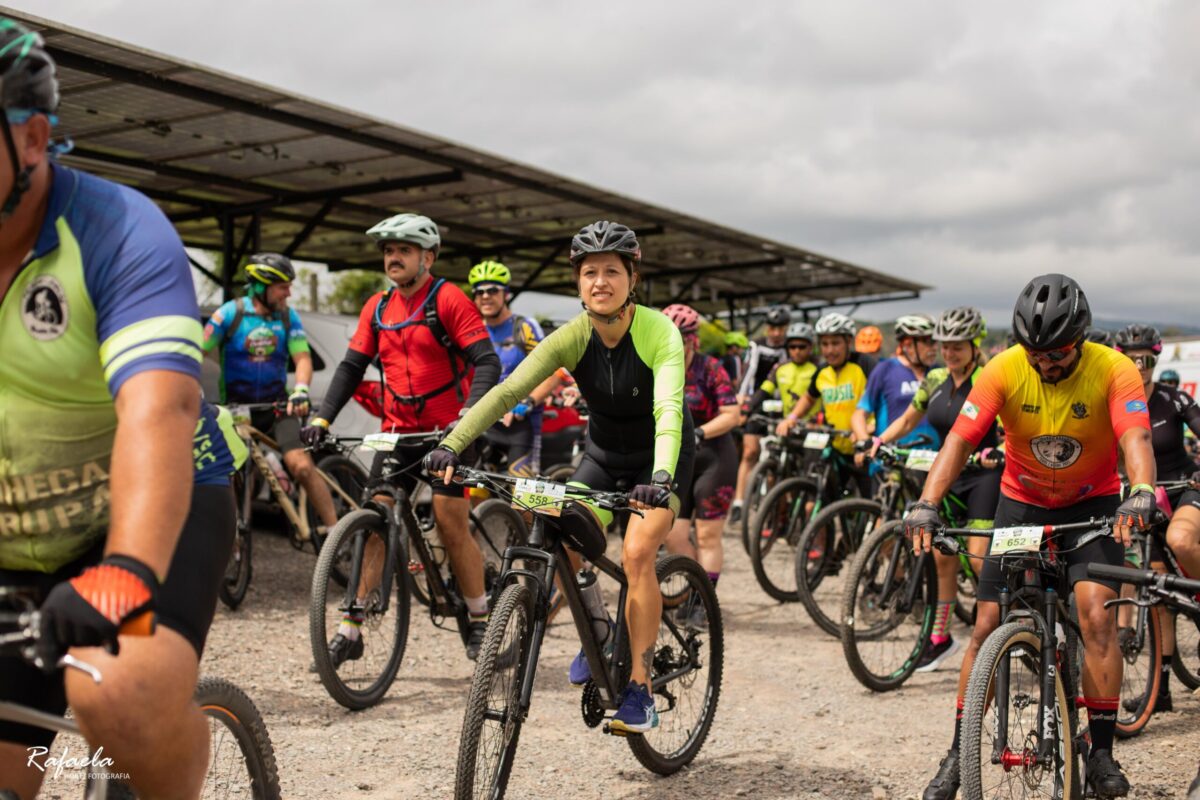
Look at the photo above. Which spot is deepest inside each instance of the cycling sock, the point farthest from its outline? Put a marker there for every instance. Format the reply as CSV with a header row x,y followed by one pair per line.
x,y
958,711
350,626
1164,683
1102,720
477,606
941,622
735,504
714,576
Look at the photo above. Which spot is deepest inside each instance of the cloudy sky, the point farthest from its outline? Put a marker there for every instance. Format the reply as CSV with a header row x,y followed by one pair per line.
x,y
968,146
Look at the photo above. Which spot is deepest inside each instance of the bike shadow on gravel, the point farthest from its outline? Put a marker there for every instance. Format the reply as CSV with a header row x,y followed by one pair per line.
x,y
731,775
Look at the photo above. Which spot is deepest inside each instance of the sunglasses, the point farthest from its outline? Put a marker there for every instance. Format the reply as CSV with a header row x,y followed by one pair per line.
x,y
487,291
1053,356
800,346
1145,362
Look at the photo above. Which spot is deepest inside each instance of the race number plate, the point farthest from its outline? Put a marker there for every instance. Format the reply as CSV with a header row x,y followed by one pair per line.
x,y
920,459
816,440
544,497
240,414
1007,540
772,406
381,442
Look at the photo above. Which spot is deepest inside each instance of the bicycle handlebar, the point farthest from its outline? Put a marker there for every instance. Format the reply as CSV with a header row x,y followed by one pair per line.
x,y
1143,577
613,501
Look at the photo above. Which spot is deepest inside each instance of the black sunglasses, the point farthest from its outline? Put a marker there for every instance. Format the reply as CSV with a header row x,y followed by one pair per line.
x,y
487,291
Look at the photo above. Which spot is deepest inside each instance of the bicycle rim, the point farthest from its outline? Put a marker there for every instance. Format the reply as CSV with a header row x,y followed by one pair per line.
x,y
759,482
774,533
686,703
236,580
1141,672
1186,665
881,638
492,723
241,757
359,682
825,553
1015,649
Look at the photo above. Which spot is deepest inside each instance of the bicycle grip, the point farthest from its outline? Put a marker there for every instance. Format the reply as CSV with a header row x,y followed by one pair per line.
x,y
141,625
1135,577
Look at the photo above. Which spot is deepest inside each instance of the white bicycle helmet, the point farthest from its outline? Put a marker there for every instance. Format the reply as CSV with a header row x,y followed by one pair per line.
x,y
835,324
914,325
414,228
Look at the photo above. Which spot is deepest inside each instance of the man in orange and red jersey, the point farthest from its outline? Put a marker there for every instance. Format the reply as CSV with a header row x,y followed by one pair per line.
x,y
1066,404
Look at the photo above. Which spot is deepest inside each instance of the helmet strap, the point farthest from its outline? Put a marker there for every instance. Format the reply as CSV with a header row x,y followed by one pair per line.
x,y
21,175
615,317
421,271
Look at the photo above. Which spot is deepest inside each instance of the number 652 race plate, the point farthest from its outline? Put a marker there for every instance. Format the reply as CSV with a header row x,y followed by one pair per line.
x,y
1007,540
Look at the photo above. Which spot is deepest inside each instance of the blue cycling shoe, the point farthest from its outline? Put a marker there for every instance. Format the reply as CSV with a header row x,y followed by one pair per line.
x,y
637,713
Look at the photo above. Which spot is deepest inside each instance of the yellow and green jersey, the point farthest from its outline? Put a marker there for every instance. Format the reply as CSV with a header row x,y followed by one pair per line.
x,y
791,382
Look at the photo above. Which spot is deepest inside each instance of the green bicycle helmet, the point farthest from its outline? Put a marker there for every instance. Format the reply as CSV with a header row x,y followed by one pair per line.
x,y
489,272
736,339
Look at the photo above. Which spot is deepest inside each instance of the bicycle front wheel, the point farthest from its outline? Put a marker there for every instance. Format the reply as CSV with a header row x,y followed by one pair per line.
x,y
824,553
241,757
492,724
887,610
1186,665
496,526
999,737
774,533
762,478
368,668
1141,674
238,572
689,657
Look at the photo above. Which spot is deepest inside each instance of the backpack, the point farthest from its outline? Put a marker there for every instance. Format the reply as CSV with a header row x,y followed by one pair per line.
x,y
429,318
239,314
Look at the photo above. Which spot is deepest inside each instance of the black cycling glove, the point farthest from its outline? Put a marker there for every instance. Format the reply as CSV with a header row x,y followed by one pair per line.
x,y
655,495
1138,509
314,432
922,516
439,459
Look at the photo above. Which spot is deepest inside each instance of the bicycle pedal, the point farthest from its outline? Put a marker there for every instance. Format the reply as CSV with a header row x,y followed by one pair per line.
x,y
611,731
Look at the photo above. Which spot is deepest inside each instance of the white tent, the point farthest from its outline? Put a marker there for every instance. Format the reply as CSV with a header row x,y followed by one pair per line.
x,y
1184,357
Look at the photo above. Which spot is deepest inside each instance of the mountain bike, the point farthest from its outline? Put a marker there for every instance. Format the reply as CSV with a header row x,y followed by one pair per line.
x,y
263,476
1021,730
1167,591
241,759
777,459
1140,634
388,556
686,669
781,516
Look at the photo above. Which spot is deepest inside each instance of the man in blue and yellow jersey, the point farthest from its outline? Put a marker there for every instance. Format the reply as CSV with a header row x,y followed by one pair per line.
x,y
107,516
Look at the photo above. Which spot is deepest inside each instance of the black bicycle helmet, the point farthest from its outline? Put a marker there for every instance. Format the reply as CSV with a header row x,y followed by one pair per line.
x,y
1051,312
1099,336
605,237
778,315
1139,337
27,83
269,268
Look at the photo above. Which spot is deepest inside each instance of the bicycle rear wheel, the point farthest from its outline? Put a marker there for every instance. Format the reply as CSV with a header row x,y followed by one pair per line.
x,y
496,526
1186,665
762,478
361,680
241,757
686,672
1141,673
492,724
774,533
824,552
883,633
993,766
238,572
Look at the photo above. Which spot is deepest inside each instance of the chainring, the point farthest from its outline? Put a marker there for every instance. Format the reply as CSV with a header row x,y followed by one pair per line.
x,y
589,704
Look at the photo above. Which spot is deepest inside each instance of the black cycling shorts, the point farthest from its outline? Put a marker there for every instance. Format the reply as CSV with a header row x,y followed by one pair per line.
x,y
1104,550
187,601
516,440
285,430
755,427
711,489
620,472
979,490
406,469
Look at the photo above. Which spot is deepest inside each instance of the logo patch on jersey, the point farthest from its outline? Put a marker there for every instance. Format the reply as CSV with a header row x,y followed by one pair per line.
x,y
261,343
44,309
970,411
1079,411
1135,406
1055,452
1030,408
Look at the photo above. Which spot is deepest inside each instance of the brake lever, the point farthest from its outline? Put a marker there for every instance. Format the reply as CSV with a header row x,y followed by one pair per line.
x,y
1132,601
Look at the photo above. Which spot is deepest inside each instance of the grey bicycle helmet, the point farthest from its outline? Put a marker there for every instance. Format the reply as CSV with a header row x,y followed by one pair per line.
x,y
413,228
799,330
1051,312
28,83
605,237
962,324
1139,337
914,325
1099,336
835,324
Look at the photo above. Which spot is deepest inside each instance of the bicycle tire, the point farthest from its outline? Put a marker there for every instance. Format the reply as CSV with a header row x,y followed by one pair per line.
x,y
762,478
560,472
1002,643
236,580
230,707
780,518
966,602
817,581
1186,664
864,621
496,526
1141,688
514,610
352,479
655,749
363,522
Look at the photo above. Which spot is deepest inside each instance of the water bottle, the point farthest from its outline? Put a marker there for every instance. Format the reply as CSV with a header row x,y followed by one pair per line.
x,y
593,601
280,473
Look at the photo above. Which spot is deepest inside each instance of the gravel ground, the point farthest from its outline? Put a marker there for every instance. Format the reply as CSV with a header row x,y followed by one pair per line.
x,y
792,721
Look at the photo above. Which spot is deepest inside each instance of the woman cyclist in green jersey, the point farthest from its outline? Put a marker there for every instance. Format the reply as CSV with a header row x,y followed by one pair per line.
x,y
628,362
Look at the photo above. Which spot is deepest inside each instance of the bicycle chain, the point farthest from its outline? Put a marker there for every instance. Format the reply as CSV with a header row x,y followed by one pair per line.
x,y
589,704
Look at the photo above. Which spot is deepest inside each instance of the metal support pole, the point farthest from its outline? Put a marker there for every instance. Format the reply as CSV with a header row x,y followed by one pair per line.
x,y
228,265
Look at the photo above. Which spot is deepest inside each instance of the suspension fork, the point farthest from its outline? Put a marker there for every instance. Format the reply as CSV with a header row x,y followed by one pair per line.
x,y
1048,732
1000,688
